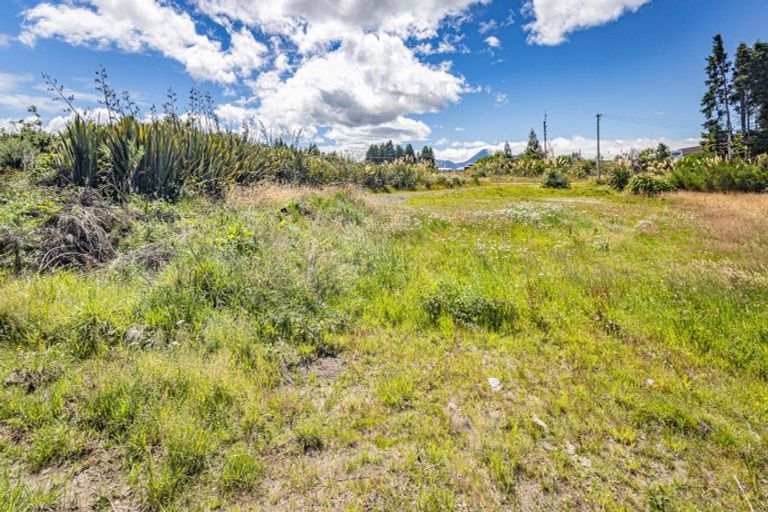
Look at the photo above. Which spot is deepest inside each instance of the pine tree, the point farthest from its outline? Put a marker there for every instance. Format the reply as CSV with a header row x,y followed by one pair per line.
x,y
399,153
388,152
507,150
742,91
716,104
409,154
427,155
533,150
372,155
759,90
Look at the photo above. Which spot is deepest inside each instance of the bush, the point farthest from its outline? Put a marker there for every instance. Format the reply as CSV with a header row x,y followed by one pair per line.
x,y
556,178
702,173
647,185
619,177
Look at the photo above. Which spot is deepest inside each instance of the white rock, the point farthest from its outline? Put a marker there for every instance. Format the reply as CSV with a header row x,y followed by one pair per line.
x,y
539,423
494,383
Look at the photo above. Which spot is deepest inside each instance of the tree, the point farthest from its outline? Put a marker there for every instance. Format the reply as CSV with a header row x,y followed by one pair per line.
x,y
388,152
742,90
409,153
715,105
663,152
427,155
399,153
758,84
373,154
533,149
507,150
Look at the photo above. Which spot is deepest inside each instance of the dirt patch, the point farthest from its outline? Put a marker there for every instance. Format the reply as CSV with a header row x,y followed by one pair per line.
x,y
98,482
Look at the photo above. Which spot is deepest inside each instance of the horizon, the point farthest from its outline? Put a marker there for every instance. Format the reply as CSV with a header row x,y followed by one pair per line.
x,y
460,76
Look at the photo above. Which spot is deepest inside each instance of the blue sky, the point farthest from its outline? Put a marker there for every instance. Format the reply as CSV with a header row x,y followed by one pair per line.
x,y
459,75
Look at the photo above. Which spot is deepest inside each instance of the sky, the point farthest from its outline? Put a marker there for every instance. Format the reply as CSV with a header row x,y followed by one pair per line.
x,y
458,75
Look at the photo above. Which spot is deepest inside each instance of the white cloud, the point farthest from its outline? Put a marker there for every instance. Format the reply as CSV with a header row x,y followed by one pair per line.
x,y
500,99
462,151
309,23
493,42
460,129
366,86
5,40
555,19
59,123
135,25
487,26
323,65
450,43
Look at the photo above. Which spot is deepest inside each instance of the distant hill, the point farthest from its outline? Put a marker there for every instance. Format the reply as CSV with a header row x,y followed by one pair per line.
x,y
448,165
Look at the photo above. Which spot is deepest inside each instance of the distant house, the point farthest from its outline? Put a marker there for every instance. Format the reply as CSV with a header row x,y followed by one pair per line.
x,y
680,153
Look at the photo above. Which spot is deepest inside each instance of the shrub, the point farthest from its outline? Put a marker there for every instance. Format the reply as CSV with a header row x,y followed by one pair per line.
x,y
556,178
702,173
647,185
619,177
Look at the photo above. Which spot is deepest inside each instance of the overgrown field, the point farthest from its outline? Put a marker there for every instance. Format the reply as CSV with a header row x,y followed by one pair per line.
x,y
498,347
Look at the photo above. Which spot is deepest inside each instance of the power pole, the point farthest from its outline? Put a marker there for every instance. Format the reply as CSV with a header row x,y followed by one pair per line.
x,y
598,146
546,153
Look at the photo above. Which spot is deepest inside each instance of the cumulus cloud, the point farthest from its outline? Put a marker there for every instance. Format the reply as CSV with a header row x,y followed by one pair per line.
x,y
136,25
322,64
493,42
312,22
553,20
369,80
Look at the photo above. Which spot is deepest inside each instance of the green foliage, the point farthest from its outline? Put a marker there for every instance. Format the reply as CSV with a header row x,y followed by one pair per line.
x,y
20,147
703,173
647,185
16,496
55,443
556,178
396,392
242,470
309,436
618,177
470,309
195,379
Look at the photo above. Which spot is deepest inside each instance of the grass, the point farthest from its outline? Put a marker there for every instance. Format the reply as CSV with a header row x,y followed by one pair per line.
x,y
328,350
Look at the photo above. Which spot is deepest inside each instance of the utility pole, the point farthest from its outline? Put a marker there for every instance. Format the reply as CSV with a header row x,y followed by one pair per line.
x,y
598,146
546,153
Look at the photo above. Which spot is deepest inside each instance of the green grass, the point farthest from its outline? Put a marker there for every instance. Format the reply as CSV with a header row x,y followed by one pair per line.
x,y
327,351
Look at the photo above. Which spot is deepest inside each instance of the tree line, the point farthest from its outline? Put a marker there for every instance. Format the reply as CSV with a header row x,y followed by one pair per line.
x,y
735,104
389,152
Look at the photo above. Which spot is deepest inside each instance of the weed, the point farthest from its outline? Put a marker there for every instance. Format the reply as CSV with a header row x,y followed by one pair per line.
x,y
53,444
242,470
469,309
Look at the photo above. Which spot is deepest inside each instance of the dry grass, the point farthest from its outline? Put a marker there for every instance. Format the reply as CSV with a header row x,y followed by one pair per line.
x,y
730,218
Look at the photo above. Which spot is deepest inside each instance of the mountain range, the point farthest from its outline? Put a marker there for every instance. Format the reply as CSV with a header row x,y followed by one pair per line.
x,y
449,165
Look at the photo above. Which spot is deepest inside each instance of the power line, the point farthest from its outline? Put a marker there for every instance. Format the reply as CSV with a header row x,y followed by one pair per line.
x,y
656,123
